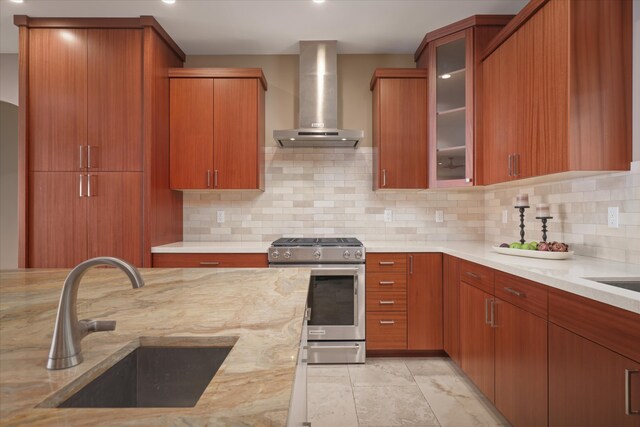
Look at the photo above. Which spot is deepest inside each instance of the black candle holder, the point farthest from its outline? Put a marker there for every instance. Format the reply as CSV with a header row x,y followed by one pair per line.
x,y
544,226
521,209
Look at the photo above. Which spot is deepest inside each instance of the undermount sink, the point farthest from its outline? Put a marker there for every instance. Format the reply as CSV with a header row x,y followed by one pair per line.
x,y
148,375
630,283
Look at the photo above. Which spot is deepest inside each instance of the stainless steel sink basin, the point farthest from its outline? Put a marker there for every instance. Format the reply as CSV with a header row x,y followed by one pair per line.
x,y
631,283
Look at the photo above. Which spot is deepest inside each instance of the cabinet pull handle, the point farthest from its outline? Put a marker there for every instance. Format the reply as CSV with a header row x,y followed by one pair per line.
x,y
387,282
81,195
215,178
627,392
307,316
474,275
208,178
209,263
88,157
382,302
384,177
516,293
516,158
510,169
387,263
89,185
410,264
81,159
486,311
492,321
387,322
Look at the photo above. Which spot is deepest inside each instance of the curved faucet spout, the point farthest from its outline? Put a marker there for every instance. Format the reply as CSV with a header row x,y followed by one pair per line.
x,y
65,349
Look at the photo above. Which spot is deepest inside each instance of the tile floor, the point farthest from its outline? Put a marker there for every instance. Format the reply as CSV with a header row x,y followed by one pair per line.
x,y
395,392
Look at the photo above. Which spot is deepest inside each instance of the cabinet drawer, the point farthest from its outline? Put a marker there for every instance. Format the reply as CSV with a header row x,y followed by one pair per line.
x,y
395,262
386,301
382,282
210,260
477,275
523,293
387,331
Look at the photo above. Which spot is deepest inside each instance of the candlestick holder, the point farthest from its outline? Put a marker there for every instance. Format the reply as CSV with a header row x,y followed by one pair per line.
x,y
544,226
521,209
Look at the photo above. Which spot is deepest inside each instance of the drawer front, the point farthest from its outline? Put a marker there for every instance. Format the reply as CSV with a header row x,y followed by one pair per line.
x,y
386,301
392,262
523,293
387,331
477,275
210,260
385,282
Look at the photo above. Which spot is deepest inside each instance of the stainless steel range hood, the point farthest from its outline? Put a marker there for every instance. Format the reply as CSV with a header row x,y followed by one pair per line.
x,y
318,119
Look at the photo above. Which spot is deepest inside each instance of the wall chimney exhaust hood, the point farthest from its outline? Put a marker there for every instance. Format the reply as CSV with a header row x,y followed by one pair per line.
x,y
318,115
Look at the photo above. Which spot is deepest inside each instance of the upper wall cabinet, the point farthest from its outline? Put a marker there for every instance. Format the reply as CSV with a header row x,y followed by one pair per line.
x,y
399,128
557,90
451,55
217,129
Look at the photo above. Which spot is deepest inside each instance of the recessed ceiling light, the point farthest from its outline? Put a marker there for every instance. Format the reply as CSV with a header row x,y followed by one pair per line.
x,y
344,139
169,1
445,76
292,139
17,1
318,1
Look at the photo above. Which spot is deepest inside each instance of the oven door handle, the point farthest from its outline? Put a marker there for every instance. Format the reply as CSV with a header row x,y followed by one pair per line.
x,y
334,272
334,347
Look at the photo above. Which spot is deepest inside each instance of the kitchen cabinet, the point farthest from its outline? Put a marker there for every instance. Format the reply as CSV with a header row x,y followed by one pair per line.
x,y
211,260
540,76
424,302
451,307
452,56
217,129
298,408
399,128
88,88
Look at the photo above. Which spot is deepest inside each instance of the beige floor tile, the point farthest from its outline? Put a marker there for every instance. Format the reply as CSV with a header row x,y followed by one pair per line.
x,y
327,371
380,372
429,366
331,402
393,406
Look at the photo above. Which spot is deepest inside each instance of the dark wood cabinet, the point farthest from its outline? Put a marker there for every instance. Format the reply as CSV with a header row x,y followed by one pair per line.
x,y
539,77
93,102
217,129
451,307
424,302
210,260
399,128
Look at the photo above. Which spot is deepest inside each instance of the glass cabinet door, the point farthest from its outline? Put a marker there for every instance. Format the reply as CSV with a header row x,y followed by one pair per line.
x,y
450,144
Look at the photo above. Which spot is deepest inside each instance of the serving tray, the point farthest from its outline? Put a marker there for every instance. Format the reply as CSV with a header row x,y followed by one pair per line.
x,y
533,254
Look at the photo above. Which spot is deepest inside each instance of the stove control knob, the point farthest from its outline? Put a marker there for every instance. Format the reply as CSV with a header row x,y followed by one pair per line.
x,y
317,254
346,254
287,254
358,254
275,254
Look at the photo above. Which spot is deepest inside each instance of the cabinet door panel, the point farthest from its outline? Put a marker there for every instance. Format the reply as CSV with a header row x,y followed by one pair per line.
x,y
235,130
587,383
403,133
115,99
451,303
57,98
521,387
424,302
114,216
57,226
191,133
476,338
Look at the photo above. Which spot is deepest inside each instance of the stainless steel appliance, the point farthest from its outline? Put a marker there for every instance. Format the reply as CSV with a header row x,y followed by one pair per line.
x,y
336,303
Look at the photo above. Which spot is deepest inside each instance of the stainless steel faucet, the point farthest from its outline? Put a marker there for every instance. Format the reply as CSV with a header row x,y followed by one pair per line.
x,y
65,349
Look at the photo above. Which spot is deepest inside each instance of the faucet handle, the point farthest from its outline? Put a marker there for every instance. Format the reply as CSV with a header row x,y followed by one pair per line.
x,y
88,326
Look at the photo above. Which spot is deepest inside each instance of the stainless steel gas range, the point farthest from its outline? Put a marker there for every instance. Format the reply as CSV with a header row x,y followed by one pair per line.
x,y
336,303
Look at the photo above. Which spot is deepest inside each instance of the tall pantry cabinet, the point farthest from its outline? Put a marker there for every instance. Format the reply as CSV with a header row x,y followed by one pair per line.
x,y
94,140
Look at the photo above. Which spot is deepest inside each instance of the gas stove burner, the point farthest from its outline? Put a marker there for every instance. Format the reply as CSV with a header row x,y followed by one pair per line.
x,y
321,241
311,250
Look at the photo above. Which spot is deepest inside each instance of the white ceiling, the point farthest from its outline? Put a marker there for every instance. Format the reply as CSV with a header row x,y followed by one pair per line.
x,y
271,26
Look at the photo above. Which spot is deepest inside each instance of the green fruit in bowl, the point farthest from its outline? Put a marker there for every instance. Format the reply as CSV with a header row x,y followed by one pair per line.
x,y
532,246
515,245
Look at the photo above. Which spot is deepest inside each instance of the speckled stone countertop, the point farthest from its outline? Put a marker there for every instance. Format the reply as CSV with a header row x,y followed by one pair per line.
x,y
263,309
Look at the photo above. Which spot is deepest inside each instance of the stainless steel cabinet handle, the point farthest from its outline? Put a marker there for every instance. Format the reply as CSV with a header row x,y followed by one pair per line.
x,y
387,282
88,185
88,157
627,392
307,314
386,263
81,195
510,169
384,177
492,321
474,275
387,302
486,311
387,322
208,178
215,178
81,157
209,263
410,264
516,293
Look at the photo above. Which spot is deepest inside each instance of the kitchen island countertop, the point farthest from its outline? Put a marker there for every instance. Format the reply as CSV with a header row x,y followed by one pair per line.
x,y
262,308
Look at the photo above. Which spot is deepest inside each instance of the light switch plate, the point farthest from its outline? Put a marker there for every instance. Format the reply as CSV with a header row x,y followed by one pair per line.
x,y
220,217
388,215
505,216
439,216
612,217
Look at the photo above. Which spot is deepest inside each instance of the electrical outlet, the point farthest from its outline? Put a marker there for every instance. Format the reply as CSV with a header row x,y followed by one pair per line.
x,y
505,216
388,215
612,217
439,216
220,217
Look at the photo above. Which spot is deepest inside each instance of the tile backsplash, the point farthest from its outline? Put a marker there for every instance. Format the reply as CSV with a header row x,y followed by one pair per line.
x,y
328,192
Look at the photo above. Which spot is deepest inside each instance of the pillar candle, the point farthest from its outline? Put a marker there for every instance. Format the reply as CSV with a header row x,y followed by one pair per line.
x,y
543,210
522,200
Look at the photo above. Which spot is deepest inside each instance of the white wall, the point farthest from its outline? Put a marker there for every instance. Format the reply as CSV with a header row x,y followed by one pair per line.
x,y
636,80
9,78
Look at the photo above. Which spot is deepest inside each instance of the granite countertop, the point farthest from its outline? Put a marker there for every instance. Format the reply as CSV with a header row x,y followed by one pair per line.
x,y
567,275
262,308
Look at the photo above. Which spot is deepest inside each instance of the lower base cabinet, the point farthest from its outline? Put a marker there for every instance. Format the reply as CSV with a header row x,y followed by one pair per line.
x,y
210,260
590,385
